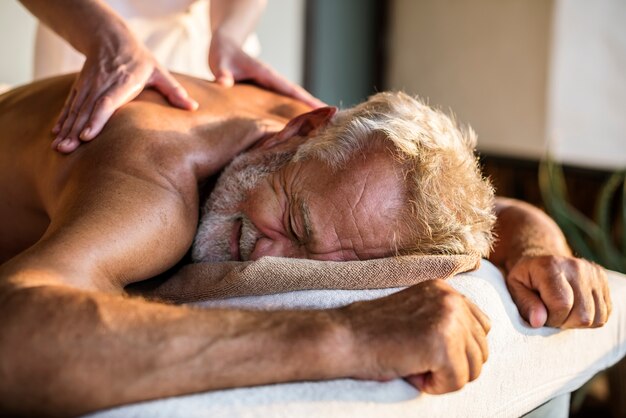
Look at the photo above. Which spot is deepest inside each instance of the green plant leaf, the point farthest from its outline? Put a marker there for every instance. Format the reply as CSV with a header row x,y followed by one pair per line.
x,y
588,239
605,198
624,220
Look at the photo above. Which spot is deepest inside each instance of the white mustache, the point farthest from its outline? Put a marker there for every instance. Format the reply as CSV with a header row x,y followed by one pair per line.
x,y
212,240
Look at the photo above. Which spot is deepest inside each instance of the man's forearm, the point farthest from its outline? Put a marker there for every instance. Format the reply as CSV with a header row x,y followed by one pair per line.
x,y
235,18
67,352
524,230
85,24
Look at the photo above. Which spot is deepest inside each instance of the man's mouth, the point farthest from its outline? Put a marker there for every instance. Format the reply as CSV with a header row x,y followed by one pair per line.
x,y
235,237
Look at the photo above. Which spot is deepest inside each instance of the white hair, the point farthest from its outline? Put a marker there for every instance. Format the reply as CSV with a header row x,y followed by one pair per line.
x,y
449,204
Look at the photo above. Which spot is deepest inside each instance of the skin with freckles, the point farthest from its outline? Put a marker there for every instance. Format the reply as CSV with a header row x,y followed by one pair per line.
x,y
76,229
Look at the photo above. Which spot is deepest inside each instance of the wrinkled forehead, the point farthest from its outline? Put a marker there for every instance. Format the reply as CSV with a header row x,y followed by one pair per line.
x,y
355,210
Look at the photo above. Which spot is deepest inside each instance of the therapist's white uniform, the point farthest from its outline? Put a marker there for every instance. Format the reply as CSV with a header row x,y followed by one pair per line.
x,y
177,32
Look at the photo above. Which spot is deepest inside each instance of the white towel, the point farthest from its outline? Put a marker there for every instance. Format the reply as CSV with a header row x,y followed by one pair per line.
x,y
526,366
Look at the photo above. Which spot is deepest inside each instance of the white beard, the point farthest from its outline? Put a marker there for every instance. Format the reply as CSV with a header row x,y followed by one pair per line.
x,y
219,212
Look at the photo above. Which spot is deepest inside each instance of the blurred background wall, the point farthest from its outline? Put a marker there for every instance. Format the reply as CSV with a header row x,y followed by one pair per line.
x,y
487,60
346,43
524,73
527,75
17,36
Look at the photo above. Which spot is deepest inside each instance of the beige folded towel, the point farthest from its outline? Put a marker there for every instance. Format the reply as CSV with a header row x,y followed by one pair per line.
x,y
269,275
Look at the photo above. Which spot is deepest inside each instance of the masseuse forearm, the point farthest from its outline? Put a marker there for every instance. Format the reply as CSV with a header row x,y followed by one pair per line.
x,y
235,18
67,352
524,230
85,24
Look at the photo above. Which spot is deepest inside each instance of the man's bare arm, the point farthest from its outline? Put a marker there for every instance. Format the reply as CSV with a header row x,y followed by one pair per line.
x,y
549,285
65,351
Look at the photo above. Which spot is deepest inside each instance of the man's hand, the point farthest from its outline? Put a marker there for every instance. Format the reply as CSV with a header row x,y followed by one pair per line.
x,y
548,285
429,334
564,292
229,63
108,80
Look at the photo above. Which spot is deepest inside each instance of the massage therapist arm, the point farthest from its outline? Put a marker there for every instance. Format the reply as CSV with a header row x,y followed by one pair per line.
x,y
232,21
117,68
548,284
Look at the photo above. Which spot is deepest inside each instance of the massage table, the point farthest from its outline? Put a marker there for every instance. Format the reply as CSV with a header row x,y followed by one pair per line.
x,y
526,368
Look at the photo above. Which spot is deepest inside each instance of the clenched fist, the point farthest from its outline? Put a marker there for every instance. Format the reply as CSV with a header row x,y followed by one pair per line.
x,y
428,334
560,291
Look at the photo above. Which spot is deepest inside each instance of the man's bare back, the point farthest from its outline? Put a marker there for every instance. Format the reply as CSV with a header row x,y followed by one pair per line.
x,y
144,134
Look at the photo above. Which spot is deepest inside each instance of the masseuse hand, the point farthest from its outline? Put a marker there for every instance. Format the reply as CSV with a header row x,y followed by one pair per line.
x,y
111,77
429,334
560,291
229,63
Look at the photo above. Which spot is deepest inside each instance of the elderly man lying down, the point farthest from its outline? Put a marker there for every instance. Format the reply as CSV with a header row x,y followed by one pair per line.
x,y
388,177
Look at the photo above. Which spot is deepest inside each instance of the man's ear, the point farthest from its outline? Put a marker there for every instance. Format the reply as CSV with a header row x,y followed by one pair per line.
x,y
302,125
